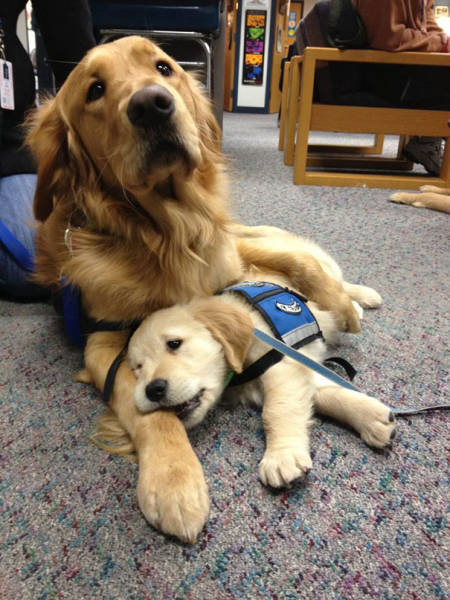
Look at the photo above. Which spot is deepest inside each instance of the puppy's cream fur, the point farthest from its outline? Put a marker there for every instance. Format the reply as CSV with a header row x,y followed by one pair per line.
x,y
214,334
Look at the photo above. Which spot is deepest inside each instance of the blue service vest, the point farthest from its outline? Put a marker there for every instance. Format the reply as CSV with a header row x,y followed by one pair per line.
x,y
285,311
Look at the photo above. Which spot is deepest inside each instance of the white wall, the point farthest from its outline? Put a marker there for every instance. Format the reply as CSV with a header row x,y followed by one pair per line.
x,y
254,95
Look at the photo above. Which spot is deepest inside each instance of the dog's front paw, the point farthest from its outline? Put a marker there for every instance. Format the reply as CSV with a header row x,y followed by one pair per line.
x,y
173,496
280,468
377,424
404,198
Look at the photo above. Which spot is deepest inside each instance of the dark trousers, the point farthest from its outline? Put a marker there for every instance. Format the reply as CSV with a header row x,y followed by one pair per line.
x,y
410,86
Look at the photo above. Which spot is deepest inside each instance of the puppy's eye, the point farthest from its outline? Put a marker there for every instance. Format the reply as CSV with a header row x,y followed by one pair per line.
x,y
174,344
164,68
96,91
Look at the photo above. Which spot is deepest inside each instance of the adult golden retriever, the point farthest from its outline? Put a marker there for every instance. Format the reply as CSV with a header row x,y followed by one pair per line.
x,y
131,195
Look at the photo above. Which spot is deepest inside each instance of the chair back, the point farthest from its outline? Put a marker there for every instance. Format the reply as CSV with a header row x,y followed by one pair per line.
x,y
201,16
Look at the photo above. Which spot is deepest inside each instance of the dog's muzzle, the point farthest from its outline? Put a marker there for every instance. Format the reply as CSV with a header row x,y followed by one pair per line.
x,y
150,106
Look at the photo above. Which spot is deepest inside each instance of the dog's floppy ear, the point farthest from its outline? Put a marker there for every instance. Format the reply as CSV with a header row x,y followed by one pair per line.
x,y
64,169
230,325
47,139
210,132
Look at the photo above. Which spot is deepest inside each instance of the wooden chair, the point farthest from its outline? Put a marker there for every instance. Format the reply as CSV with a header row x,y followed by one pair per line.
x,y
300,115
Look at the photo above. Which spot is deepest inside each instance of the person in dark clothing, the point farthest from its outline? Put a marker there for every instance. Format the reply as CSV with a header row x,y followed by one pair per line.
x,y
67,31
402,26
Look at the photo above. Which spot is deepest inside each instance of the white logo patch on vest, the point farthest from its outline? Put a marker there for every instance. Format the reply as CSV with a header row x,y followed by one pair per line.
x,y
292,309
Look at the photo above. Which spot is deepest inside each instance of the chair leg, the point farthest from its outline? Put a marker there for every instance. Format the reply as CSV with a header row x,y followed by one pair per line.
x,y
402,141
375,148
306,99
294,91
284,106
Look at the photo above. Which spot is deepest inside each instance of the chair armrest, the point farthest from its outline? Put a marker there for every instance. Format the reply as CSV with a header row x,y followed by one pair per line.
x,y
438,59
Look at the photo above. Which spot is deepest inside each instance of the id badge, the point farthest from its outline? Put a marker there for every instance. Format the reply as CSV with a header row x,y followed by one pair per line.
x,y
6,85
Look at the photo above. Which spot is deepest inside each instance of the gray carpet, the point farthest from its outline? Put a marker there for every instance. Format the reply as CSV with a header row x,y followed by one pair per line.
x,y
365,524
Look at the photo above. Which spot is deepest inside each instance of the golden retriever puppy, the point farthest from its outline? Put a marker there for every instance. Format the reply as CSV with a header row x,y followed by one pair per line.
x,y
131,195
181,357
429,196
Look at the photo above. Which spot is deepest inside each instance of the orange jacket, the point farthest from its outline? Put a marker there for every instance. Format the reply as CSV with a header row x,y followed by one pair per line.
x,y
398,25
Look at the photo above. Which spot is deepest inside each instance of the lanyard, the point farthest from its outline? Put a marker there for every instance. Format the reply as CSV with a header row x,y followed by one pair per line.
x,y
2,42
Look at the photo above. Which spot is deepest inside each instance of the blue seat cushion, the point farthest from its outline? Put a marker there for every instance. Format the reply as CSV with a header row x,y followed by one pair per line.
x,y
201,16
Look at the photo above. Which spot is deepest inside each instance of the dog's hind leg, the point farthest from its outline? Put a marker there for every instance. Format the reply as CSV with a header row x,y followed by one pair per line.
x,y
372,419
365,296
286,415
171,489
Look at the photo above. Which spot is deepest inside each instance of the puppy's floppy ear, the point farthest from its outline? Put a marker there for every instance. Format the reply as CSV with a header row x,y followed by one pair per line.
x,y
230,325
47,139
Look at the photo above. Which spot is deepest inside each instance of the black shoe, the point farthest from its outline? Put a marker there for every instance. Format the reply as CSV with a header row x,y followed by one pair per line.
x,y
425,151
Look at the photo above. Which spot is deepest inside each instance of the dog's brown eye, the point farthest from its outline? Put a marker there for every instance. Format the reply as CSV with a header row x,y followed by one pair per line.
x,y
96,91
174,344
164,68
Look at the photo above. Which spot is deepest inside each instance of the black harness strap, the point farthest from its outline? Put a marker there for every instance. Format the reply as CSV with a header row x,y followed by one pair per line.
x,y
256,369
112,372
348,368
273,357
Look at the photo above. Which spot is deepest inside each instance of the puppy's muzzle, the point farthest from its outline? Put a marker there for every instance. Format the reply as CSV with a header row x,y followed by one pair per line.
x,y
150,105
156,390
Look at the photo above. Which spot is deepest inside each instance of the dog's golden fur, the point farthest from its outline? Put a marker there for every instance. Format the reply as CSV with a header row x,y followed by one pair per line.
x,y
136,218
181,356
429,196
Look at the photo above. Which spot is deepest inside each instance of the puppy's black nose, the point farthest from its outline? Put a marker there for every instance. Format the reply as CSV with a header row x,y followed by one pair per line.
x,y
150,105
156,390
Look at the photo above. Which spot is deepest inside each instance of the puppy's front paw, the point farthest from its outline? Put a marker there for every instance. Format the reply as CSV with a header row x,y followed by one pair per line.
x,y
376,424
173,496
280,468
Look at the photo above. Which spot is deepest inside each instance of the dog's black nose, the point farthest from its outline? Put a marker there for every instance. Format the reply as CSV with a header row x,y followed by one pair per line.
x,y
150,105
156,390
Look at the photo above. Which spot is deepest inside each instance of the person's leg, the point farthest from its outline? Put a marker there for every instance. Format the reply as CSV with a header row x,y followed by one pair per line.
x,y
428,87
413,87
16,213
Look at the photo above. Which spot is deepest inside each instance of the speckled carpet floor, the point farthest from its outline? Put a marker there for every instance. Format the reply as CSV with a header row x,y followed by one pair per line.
x,y
364,525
